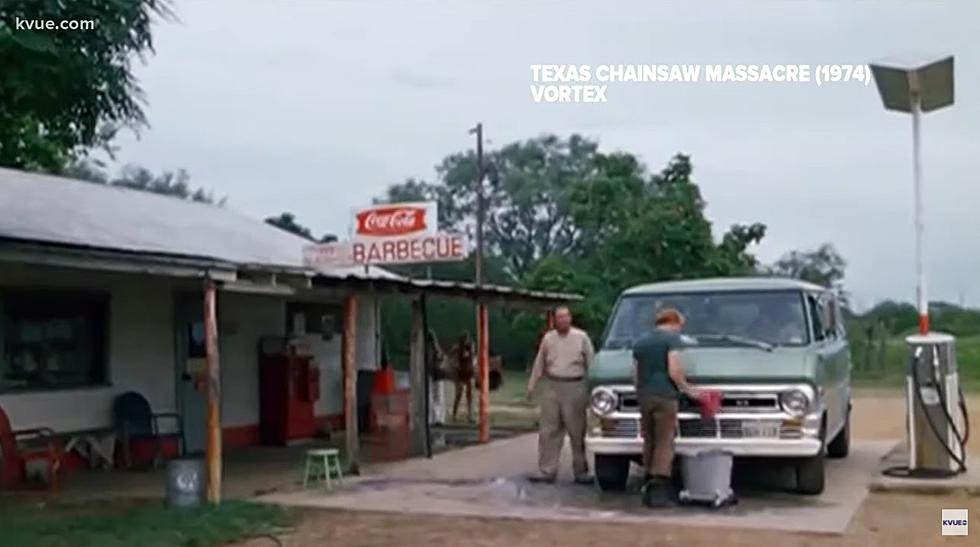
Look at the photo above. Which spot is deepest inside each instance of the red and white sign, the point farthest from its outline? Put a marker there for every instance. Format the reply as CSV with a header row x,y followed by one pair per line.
x,y
382,251
395,220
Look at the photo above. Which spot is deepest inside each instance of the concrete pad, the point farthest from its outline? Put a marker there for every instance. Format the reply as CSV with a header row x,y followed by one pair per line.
x,y
966,483
487,481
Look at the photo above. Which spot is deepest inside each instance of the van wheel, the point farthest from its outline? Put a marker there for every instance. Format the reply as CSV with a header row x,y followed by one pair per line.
x,y
810,471
810,475
611,472
841,445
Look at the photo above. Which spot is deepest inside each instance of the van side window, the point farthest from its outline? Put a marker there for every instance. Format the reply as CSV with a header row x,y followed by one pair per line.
x,y
833,329
816,317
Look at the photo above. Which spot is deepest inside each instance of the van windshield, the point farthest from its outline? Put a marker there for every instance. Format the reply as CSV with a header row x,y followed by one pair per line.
x,y
773,318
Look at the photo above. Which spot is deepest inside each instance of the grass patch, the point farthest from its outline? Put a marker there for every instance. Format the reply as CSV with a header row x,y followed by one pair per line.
x,y
125,523
512,391
889,369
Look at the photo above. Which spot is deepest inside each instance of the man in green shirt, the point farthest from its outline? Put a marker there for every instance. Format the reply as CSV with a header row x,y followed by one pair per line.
x,y
660,382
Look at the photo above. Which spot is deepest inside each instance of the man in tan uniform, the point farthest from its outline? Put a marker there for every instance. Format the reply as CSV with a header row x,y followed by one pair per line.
x,y
563,360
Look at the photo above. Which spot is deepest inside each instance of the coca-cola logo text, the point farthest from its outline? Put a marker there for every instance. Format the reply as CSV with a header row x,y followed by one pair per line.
x,y
390,221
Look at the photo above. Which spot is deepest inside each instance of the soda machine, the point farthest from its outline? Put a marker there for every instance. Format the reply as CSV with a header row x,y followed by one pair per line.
x,y
289,386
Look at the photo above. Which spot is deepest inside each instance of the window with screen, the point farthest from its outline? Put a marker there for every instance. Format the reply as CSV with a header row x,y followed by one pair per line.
x,y
52,339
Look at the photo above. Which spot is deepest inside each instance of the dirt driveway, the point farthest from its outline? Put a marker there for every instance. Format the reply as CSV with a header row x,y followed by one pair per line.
x,y
884,519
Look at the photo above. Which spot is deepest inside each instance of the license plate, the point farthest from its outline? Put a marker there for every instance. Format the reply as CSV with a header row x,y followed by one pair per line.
x,y
760,429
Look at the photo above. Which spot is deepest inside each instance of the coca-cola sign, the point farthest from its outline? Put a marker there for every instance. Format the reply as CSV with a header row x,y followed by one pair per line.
x,y
395,220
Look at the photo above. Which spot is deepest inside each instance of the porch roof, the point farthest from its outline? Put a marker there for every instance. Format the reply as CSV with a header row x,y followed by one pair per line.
x,y
94,219
455,289
58,221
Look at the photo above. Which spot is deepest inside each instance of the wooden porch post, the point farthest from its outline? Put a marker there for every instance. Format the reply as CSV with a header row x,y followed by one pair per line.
x,y
483,368
419,380
214,393
348,343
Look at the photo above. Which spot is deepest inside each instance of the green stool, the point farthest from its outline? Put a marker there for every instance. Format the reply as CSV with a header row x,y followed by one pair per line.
x,y
323,462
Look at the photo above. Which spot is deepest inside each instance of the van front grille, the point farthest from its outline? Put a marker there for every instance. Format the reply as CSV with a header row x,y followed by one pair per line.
x,y
622,428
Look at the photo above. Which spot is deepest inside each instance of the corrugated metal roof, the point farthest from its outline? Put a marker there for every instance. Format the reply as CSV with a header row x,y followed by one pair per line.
x,y
57,210
724,284
52,210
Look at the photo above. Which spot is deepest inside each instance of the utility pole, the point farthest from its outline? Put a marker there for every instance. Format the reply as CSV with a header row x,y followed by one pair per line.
x,y
478,131
482,326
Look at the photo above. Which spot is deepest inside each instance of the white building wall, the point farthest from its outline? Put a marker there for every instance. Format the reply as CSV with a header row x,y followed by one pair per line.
x,y
245,319
327,355
141,350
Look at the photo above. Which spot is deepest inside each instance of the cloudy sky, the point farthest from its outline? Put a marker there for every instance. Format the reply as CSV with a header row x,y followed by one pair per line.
x,y
315,106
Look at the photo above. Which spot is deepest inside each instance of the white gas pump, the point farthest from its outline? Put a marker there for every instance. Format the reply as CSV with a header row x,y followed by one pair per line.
x,y
937,422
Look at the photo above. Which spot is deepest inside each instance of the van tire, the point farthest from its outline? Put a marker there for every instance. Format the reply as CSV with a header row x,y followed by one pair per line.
x,y
840,446
810,476
810,472
611,472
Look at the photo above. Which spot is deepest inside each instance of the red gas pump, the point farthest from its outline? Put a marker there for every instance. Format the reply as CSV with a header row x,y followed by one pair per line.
x,y
289,386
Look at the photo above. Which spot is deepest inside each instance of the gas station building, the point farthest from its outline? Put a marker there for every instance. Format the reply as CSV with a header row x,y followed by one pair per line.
x,y
105,291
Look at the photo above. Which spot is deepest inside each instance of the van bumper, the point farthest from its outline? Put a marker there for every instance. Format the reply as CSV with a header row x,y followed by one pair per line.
x,y
762,448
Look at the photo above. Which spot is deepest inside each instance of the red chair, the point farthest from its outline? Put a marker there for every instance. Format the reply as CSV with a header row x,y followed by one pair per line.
x,y
27,445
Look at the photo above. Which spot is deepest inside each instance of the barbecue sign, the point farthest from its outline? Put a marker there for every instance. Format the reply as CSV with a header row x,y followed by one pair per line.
x,y
394,233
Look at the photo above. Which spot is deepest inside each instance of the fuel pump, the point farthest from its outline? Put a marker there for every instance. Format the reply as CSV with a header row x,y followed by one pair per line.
x,y
937,422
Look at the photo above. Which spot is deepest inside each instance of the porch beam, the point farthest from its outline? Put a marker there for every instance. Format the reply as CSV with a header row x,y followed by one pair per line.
x,y
214,393
483,368
419,380
348,344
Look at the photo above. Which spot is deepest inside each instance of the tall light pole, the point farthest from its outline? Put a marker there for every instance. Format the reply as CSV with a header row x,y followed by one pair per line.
x,y
916,86
482,318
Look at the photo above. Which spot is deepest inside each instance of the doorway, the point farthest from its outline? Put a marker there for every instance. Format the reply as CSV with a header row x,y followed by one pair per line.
x,y
191,369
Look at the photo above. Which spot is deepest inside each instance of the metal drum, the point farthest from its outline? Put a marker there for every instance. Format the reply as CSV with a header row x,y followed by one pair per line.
x,y
707,478
185,482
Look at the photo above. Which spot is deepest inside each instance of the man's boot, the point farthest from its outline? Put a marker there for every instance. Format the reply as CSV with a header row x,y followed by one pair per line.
x,y
656,492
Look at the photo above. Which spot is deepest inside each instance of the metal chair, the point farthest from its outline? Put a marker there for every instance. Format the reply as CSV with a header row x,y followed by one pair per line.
x,y
135,421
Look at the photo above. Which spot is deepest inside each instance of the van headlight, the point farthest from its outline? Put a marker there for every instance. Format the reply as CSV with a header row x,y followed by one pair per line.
x,y
795,402
604,401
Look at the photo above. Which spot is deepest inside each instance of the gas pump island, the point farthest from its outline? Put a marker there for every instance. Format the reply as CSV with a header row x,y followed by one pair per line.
x,y
937,422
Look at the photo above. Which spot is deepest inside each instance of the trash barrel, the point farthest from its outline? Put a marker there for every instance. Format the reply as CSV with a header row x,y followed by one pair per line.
x,y
707,477
185,482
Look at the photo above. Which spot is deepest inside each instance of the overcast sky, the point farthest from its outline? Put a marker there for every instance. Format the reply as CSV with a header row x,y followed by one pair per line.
x,y
315,106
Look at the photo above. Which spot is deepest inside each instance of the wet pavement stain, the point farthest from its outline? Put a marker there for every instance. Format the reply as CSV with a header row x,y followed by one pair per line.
x,y
584,500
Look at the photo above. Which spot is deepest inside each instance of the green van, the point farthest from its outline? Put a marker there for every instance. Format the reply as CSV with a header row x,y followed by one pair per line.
x,y
775,348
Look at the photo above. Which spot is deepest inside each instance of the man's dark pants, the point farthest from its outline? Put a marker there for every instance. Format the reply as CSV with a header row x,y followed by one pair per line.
x,y
658,419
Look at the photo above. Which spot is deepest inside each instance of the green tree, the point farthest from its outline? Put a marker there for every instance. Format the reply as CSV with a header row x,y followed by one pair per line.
x,y
565,217
287,221
639,229
63,92
527,191
168,183
135,177
823,266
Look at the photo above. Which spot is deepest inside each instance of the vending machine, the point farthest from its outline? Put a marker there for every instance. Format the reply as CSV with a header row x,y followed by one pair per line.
x,y
289,386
